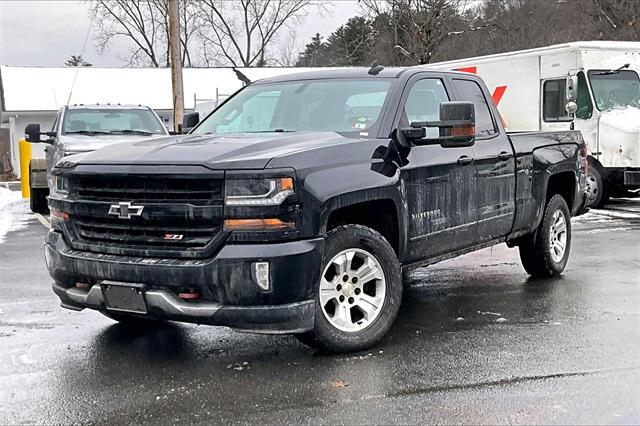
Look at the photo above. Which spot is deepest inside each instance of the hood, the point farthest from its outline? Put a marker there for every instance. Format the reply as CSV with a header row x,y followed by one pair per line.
x,y
235,151
84,143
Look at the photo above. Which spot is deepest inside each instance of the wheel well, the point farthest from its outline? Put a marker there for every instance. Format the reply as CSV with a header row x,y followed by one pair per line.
x,y
379,215
563,183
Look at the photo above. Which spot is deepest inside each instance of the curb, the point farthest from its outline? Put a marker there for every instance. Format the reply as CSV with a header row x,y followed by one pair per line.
x,y
13,186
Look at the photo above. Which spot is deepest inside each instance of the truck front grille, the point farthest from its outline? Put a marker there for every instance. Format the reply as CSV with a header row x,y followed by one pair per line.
x,y
148,189
181,216
142,235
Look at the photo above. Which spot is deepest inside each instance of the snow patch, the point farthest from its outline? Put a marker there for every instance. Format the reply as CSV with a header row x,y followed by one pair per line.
x,y
14,212
602,215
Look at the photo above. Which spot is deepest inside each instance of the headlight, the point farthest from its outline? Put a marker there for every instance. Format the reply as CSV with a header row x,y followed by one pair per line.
x,y
258,192
60,184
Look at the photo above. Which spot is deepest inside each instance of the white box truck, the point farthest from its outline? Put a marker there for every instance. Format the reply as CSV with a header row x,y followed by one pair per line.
x,y
532,88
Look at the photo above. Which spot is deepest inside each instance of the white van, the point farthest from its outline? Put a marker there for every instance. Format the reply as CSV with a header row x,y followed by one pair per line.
x,y
531,90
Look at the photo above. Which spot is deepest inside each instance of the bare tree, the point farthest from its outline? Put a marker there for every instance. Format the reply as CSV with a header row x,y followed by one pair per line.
x,y
415,29
618,18
144,23
287,52
241,31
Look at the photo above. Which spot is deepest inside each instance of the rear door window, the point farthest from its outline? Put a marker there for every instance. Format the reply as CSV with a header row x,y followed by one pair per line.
x,y
469,90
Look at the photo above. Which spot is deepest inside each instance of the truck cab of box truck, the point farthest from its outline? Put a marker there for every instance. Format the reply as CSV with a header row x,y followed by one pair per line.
x,y
530,89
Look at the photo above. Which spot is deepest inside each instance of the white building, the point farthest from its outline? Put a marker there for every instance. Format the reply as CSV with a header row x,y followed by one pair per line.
x,y
34,94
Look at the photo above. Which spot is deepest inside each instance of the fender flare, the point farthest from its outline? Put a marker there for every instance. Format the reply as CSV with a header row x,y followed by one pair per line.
x,y
389,194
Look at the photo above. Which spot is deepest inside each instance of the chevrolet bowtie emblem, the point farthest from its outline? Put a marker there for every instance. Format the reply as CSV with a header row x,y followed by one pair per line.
x,y
125,210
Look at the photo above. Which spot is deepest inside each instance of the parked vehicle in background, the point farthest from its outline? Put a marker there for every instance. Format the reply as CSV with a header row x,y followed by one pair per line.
x,y
295,206
530,89
83,128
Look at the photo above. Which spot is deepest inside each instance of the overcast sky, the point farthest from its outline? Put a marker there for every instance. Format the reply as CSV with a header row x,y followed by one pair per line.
x,y
48,32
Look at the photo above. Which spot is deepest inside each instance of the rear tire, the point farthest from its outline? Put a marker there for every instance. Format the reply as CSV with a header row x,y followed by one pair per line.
x,y
358,295
37,196
38,200
545,252
596,188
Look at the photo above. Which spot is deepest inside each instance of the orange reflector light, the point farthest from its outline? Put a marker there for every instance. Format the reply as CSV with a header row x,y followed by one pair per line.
x,y
463,131
286,184
235,224
59,214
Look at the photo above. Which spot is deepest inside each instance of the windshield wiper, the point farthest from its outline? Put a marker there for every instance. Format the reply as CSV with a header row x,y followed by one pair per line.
x,y
86,132
616,71
252,131
271,131
130,132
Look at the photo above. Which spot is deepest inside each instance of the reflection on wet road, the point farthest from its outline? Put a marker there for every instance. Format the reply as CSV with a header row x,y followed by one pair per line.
x,y
476,341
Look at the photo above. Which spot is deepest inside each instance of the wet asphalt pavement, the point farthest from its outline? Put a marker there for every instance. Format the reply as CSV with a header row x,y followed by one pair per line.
x,y
476,341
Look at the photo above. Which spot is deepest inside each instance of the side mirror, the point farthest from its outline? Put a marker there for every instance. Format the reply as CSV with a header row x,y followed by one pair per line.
x,y
189,121
32,134
571,90
457,127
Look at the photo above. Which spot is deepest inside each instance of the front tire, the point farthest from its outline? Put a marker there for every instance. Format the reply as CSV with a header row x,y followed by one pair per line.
x,y
545,252
359,292
596,188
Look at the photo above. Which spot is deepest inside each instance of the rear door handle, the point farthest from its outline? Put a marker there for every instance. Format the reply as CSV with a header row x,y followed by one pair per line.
x,y
465,161
504,156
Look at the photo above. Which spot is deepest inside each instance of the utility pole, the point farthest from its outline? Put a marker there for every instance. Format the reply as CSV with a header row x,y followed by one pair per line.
x,y
176,64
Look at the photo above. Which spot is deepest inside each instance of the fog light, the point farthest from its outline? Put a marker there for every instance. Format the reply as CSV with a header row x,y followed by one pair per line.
x,y
260,272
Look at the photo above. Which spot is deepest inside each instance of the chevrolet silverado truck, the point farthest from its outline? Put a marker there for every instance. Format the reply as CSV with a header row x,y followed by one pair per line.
x,y
297,204
83,128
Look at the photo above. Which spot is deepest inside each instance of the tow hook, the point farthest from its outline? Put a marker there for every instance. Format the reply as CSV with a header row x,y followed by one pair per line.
x,y
189,294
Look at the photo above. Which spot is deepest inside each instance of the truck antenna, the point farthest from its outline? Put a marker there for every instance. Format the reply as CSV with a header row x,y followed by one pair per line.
x,y
84,46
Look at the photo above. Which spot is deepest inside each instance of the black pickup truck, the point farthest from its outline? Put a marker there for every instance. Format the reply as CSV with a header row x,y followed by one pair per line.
x,y
298,203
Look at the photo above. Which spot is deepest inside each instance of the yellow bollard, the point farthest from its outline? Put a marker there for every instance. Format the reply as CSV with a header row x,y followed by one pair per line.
x,y
25,157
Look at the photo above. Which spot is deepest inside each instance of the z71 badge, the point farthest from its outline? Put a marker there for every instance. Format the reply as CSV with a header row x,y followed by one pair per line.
x,y
173,237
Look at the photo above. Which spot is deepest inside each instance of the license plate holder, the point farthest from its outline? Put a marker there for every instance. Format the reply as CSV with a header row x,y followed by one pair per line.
x,y
124,297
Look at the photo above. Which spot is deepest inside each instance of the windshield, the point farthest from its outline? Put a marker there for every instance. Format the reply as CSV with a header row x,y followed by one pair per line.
x,y
311,105
93,121
615,89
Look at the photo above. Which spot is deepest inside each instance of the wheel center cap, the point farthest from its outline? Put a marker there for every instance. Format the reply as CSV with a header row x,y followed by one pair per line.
x,y
347,289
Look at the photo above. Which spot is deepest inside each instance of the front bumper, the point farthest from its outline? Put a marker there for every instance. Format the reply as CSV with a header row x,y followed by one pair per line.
x,y
164,304
230,296
632,177
623,177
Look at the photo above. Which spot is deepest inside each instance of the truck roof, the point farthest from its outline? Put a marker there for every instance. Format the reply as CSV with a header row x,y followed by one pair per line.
x,y
625,46
352,72
104,106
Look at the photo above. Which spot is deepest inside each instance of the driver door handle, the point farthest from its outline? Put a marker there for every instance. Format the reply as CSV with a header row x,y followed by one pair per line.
x,y
504,156
465,160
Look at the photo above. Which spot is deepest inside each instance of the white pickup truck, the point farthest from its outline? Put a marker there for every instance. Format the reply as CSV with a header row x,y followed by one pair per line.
x,y
83,128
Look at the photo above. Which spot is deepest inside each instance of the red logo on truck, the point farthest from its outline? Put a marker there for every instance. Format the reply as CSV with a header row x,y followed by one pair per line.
x,y
498,93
